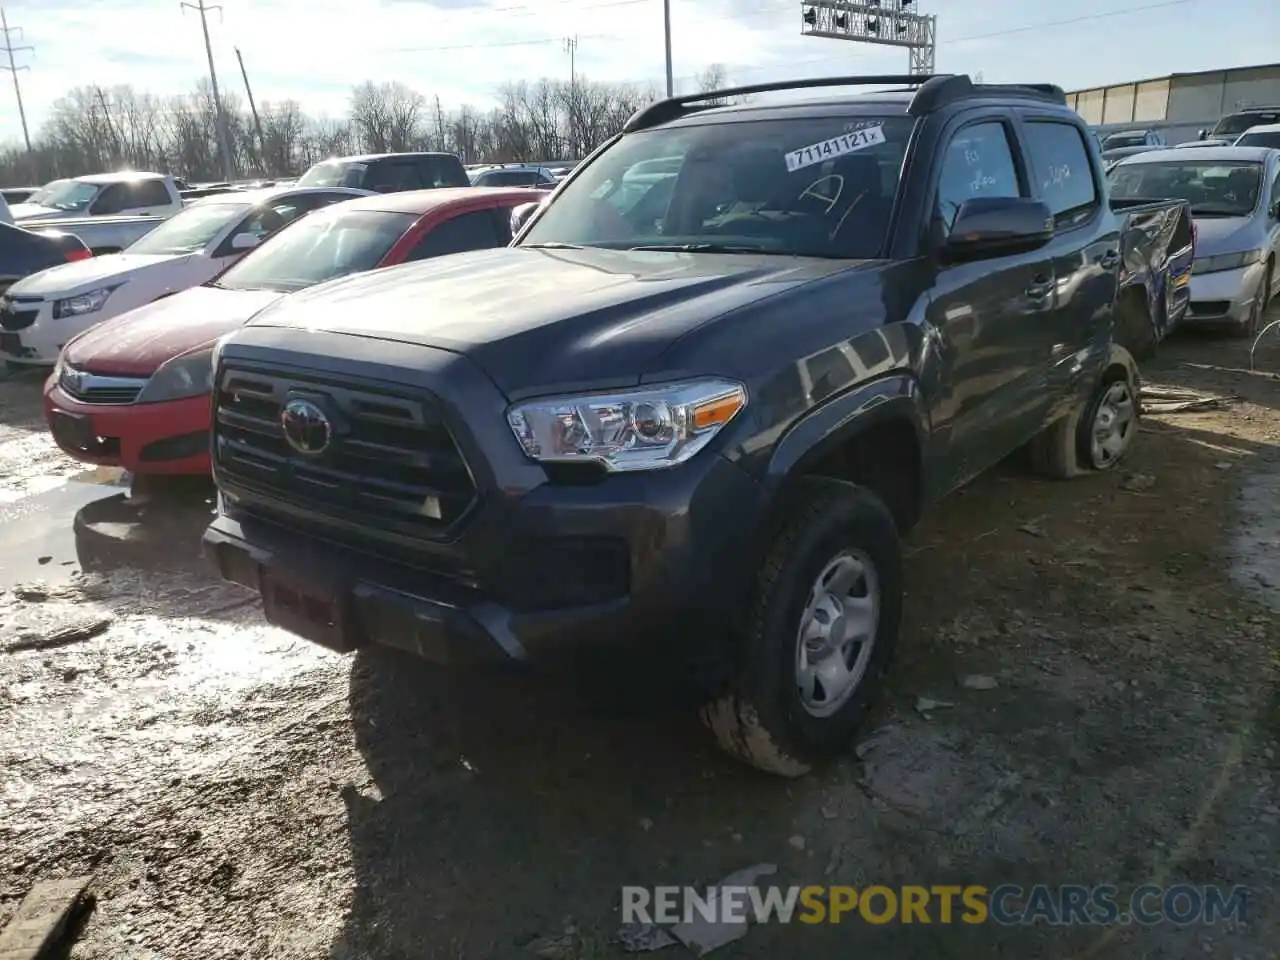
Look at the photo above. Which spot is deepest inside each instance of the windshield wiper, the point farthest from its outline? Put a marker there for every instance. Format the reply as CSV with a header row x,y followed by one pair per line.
x,y
552,245
701,247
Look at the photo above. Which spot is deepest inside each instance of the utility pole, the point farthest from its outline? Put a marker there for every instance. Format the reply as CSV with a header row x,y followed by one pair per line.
x,y
111,130
257,124
220,118
666,26
13,68
571,48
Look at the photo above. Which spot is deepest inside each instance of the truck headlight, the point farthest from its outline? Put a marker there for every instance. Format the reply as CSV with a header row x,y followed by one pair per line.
x,y
188,375
82,303
649,428
1226,261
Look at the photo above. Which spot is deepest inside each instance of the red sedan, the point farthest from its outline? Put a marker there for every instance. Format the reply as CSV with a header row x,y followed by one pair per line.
x,y
134,391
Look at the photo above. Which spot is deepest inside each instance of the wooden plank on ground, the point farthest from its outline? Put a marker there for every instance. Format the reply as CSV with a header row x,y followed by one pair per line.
x,y
42,918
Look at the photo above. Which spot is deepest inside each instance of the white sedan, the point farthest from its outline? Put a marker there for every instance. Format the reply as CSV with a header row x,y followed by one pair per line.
x,y
40,313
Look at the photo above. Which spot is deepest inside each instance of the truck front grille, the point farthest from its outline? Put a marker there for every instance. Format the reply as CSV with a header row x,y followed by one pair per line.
x,y
391,461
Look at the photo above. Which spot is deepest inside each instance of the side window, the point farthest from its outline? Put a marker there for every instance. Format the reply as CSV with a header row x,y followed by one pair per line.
x,y
395,176
1275,189
270,219
1062,170
149,193
113,198
470,231
978,163
502,223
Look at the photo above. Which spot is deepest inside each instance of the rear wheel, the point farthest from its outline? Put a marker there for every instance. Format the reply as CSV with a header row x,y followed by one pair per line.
x,y
1096,435
819,632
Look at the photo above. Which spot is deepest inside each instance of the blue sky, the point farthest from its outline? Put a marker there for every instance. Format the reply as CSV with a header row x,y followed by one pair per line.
x,y
462,50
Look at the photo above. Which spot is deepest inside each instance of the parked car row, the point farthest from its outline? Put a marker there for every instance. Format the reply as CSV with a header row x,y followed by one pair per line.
x,y
687,403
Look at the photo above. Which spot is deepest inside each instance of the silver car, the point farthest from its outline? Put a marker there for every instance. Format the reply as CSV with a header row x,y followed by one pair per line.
x,y
1234,195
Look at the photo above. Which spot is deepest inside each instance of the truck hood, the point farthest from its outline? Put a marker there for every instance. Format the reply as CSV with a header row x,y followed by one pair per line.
x,y
548,319
71,279
34,211
1217,235
138,342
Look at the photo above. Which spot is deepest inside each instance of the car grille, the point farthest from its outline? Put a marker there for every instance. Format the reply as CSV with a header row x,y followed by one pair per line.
x,y
391,461
12,319
91,388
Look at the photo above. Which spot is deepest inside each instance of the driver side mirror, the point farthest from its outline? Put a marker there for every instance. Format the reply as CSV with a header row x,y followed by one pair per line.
x,y
1275,209
520,216
244,241
996,226
1202,135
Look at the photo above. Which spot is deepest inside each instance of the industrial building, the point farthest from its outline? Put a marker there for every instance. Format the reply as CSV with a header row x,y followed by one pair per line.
x,y
1181,104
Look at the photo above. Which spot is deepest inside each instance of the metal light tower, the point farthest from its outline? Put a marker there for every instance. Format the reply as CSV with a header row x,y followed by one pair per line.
x,y
890,23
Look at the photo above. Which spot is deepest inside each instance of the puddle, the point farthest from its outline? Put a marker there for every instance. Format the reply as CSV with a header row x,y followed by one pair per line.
x,y
1256,545
40,526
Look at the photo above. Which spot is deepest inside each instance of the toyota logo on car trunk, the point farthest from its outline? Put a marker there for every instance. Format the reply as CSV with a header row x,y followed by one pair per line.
x,y
307,427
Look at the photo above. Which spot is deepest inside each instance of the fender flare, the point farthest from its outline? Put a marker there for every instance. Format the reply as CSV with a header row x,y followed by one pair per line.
x,y
840,419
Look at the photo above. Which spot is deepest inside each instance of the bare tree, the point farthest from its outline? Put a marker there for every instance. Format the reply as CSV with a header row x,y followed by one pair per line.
x,y
92,129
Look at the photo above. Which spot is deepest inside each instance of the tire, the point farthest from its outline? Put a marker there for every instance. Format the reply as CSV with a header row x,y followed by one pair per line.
x,y
1065,449
1134,329
1250,325
763,718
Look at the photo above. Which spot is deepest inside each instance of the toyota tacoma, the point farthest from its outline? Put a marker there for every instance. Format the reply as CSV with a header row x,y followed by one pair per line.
x,y
696,403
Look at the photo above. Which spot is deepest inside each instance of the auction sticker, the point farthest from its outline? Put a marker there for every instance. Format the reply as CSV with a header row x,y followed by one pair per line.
x,y
835,147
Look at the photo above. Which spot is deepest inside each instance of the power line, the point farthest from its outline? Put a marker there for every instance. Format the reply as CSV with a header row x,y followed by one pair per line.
x,y
220,118
7,33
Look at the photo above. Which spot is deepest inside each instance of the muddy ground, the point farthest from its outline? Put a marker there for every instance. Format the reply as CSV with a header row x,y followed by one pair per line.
x,y
234,792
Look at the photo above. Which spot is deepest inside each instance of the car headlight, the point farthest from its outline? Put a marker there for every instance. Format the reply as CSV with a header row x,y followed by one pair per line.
x,y
644,429
83,303
1226,261
188,375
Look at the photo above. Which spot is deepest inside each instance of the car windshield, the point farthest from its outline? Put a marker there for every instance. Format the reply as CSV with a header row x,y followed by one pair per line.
x,y
1260,138
334,173
1124,140
1211,188
67,194
323,246
190,230
812,186
1238,123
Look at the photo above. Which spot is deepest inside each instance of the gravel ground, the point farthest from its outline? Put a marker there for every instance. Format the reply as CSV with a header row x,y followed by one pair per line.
x,y
237,793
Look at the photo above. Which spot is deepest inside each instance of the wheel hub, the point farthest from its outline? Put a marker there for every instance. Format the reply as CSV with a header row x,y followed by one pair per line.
x,y
837,633
1114,423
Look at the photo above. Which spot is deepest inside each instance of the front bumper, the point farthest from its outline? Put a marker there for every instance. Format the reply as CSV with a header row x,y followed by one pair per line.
x,y
633,561
536,566
170,439
1224,298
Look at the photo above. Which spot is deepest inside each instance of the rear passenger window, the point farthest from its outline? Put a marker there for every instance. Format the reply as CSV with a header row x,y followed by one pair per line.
x,y
978,163
1062,170
470,231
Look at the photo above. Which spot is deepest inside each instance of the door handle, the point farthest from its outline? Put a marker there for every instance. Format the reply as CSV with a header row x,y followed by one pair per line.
x,y
1110,260
1040,288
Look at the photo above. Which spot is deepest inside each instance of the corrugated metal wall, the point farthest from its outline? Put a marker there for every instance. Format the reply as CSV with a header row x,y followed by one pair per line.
x,y
1179,103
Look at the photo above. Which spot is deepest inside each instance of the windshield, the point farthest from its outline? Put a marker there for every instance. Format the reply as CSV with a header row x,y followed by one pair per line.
x,y
190,230
812,186
323,246
1117,140
334,173
1260,138
1238,123
1211,188
67,194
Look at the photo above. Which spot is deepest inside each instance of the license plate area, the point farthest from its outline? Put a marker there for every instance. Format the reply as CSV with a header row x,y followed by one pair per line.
x,y
314,611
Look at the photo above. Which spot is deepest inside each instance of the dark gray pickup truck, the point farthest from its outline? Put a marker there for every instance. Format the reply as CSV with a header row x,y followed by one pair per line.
x,y
697,402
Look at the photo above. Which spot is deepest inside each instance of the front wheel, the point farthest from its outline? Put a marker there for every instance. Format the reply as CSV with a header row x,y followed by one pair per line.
x,y
819,632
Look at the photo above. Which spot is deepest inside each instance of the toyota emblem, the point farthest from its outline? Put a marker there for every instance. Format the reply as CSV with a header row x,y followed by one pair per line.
x,y
307,427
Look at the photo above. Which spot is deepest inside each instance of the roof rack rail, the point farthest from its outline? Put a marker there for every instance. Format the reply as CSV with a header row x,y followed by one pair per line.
x,y
940,91
672,107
